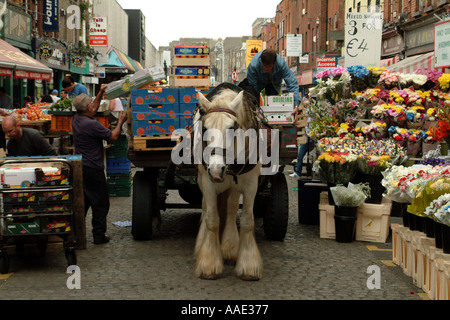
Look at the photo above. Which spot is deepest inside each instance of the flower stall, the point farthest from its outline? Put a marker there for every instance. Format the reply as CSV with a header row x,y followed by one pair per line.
x,y
373,125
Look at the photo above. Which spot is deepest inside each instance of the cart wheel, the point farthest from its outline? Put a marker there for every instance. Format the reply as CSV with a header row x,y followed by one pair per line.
x,y
277,215
145,204
191,194
71,257
4,263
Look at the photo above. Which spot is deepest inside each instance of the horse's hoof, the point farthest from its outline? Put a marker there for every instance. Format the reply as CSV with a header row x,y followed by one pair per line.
x,y
209,276
250,277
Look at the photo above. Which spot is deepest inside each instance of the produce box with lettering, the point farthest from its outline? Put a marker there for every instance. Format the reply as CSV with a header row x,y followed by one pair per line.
x,y
283,103
152,112
155,127
145,97
191,56
139,79
190,94
190,71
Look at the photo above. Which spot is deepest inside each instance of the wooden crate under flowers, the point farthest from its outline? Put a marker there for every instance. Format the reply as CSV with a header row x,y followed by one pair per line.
x,y
372,223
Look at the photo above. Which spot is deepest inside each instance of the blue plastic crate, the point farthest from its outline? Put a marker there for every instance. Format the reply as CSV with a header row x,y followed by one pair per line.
x,y
118,165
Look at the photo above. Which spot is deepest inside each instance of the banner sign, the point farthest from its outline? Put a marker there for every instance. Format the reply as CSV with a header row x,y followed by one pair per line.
x,y
98,32
363,33
442,44
51,16
253,47
294,45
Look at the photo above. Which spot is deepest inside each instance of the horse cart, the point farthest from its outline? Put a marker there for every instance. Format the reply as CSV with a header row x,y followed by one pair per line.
x,y
157,172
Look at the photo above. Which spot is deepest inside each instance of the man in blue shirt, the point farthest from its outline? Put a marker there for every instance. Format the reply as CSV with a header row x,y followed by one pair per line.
x,y
267,70
73,89
88,136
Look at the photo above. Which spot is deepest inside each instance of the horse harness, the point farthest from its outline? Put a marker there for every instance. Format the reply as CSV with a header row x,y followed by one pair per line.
x,y
233,170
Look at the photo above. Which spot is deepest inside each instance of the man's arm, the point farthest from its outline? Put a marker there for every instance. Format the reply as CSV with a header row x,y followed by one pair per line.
x,y
93,108
291,83
115,134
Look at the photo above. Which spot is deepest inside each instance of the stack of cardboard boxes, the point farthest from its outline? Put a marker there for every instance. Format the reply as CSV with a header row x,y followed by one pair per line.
x,y
191,67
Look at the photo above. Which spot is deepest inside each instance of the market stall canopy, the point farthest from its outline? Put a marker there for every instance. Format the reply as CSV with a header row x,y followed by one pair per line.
x,y
119,60
412,64
14,62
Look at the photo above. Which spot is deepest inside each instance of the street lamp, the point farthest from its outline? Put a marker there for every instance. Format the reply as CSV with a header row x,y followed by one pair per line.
x,y
220,46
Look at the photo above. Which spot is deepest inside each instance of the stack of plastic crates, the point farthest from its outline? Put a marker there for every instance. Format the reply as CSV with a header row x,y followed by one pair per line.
x,y
118,168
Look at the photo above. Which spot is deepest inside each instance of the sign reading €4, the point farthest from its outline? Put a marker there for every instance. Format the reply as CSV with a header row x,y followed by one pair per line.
x,y
363,32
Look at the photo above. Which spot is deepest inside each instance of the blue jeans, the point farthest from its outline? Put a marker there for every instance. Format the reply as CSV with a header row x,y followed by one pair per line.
x,y
302,151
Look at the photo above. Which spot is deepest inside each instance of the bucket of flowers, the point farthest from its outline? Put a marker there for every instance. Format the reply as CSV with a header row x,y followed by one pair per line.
x,y
415,117
414,142
399,135
389,79
432,77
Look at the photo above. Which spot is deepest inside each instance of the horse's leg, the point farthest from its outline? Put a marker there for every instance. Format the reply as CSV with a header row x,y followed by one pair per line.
x,y
230,237
209,259
201,231
249,263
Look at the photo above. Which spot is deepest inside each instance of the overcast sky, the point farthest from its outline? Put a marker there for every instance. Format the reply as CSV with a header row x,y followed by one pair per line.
x,y
168,20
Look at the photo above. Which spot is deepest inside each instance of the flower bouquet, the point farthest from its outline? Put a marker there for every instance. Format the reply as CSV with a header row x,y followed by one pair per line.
x,y
360,77
412,80
374,75
399,135
397,115
415,117
353,195
429,143
389,79
432,77
375,130
337,167
414,142
439,209
444,82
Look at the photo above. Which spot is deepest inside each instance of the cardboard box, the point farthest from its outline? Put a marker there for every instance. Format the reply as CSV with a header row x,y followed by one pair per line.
x,y
190,94
281,118
179,81
152,112
191,56
284,103
136,81
190,71
21,177
155,127
144,98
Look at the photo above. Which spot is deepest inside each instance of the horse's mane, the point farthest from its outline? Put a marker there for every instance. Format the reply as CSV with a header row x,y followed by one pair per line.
x,y
250,113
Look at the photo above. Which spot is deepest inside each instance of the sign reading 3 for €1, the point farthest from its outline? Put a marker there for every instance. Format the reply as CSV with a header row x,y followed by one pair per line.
x,y
363,39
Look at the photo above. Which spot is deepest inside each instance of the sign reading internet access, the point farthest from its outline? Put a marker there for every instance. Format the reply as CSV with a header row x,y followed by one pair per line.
x,y
325,62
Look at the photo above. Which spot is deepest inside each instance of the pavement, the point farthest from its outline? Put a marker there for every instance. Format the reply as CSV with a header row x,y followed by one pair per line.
x,y
303,267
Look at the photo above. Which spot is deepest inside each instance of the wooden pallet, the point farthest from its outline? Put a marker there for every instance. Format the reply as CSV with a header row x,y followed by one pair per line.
x,y
155,143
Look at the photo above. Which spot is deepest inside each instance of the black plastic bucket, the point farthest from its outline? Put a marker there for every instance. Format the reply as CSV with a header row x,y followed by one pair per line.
x,y
345,223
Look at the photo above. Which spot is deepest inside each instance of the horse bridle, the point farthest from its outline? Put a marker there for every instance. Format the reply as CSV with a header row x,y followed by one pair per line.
x,y
228,170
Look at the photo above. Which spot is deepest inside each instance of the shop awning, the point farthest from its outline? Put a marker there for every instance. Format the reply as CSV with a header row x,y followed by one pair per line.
x,y
119,60
14,62
412,64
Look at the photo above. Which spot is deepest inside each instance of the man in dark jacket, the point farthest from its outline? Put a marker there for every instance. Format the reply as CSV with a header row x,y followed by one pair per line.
x,y
25,142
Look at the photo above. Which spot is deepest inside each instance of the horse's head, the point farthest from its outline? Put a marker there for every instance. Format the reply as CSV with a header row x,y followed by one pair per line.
x,y
219,115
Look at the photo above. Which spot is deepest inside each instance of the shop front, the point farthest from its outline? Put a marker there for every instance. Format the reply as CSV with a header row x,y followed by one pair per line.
x,y
55,56
119,65
15,66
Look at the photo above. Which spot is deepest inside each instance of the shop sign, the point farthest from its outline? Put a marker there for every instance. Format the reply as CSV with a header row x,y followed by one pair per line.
x,y
419,38
98,32
51,55
79,64
442,44
392,45
325,62
363,32
17,28
253,47
51,16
